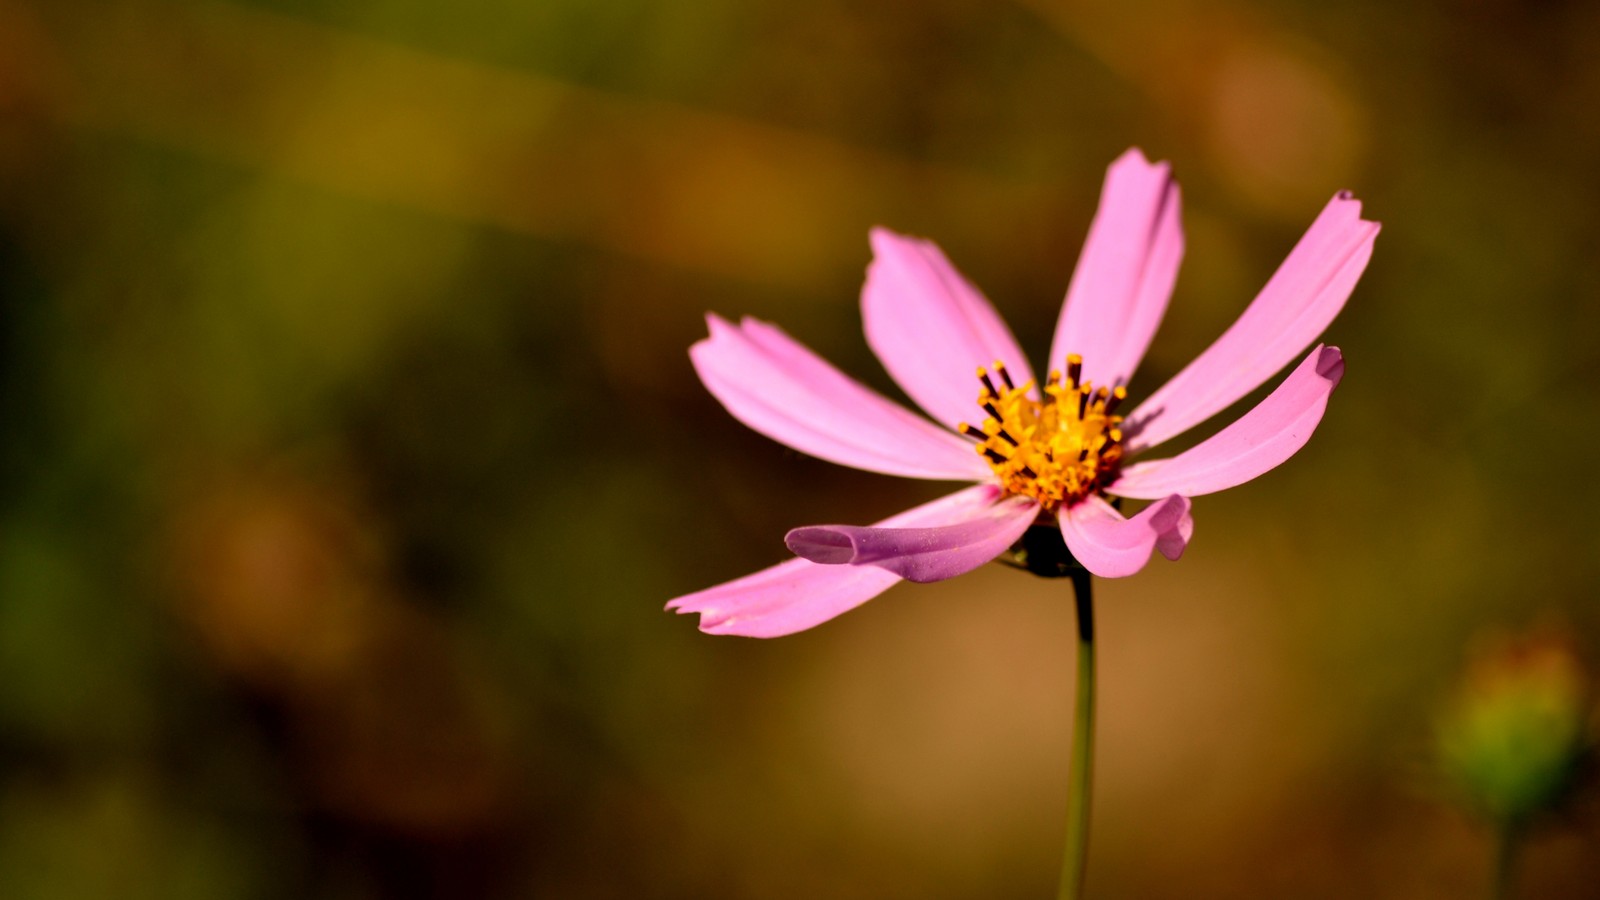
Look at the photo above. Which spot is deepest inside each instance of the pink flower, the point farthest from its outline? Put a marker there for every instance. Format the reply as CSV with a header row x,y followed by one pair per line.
x,y
1035,451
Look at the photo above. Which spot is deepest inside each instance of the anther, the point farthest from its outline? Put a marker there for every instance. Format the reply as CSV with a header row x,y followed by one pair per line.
x,y
989,408
974,433
984,377
1083,403
1000,369
1029,472
1117,396
1002,433
994,455
1055,376
1074,369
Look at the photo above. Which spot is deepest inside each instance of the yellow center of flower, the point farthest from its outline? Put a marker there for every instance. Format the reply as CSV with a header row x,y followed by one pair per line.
x,y
1058,450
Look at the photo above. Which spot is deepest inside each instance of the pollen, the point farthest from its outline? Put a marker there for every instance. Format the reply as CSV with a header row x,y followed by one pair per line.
x,y
1058,449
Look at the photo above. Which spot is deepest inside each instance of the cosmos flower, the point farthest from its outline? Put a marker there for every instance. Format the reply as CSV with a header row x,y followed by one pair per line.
x,y
1038,450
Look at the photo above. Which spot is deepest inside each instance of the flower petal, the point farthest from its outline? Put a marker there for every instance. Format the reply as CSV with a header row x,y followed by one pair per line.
x,y
1111,546
798,594
772,383
1302,297
786,598
1257,442
1125,275
922,554
931,329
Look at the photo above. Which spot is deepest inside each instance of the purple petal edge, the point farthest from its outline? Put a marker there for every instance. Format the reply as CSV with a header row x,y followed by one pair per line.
x,y
919,554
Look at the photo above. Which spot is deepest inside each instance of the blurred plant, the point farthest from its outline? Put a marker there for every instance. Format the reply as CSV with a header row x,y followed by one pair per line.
x,y
1514,740
1051,456
288,589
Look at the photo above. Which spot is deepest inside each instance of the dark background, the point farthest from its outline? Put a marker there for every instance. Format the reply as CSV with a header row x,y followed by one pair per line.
x,y
351,447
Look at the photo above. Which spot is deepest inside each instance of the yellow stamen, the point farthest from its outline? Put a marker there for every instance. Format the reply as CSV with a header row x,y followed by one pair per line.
x,y
1057,450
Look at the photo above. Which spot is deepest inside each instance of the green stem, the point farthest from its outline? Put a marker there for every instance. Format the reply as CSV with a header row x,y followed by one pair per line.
x,y
1076,858
1505,860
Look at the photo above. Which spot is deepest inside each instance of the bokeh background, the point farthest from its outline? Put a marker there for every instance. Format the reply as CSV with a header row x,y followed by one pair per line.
x,y
351,447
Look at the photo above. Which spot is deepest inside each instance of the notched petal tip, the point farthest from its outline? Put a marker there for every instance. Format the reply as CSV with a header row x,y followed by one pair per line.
x,y
718,329
1135,157
885,241
711,615
1346,199
782,599
1134,164
714,326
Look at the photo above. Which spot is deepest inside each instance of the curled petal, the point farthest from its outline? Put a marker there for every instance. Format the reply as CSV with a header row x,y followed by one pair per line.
x,y
1125,275
798,594
772,383
1302,297
921,554
1257,442
931,329
1112,547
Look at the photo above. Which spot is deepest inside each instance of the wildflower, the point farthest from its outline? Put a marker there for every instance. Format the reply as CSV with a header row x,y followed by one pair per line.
x,y
1058,449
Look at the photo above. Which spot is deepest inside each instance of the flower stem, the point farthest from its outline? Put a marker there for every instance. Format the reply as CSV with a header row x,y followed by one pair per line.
x,y
1076,858
1505,860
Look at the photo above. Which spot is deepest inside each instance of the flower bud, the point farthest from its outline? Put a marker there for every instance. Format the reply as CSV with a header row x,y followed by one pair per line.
x,y
1514,738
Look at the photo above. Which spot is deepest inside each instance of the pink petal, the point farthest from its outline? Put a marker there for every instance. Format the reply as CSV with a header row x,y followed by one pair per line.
x,y
922,554
773,384
932,329
1112,547
1299,301
1257,442
1125,275
786,598
798,594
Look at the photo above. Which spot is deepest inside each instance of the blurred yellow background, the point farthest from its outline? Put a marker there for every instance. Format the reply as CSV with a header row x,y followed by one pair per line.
x,y
351,444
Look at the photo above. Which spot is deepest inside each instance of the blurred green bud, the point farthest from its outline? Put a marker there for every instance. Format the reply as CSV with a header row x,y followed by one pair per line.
x,y
1514,738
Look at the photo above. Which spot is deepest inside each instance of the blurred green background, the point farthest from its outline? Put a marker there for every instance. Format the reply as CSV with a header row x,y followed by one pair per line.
x,y
351,447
